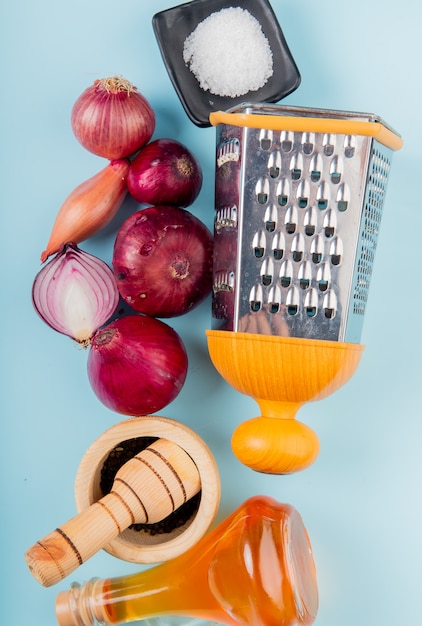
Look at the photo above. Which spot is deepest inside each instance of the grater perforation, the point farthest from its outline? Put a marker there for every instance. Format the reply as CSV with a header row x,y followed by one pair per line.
x,y
307,209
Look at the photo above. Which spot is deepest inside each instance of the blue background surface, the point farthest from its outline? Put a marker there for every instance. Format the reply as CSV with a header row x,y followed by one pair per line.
x,y
361,500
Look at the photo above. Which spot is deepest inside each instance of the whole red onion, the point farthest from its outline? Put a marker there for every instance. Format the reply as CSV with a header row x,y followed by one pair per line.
x,y
112,119
137,365
165,172
162,261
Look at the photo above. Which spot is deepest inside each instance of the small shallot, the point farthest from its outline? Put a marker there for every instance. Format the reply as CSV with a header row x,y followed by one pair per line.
x,y
137,365
112,119
89,207
75,293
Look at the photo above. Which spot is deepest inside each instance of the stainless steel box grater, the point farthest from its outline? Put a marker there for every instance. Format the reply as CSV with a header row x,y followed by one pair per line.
x,y
299,195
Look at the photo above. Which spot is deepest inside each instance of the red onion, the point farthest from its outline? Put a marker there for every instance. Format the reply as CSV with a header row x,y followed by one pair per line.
x,y
162,261
165,172
137,365
112,119
75,293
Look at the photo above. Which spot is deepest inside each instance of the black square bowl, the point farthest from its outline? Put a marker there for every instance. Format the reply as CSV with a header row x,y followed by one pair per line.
x,y
174,25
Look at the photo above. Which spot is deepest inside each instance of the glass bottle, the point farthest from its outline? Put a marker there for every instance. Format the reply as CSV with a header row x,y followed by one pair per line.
x,y
254,569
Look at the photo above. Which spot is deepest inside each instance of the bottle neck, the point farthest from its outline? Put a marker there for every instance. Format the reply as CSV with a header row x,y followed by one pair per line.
x,y
177,587
81,605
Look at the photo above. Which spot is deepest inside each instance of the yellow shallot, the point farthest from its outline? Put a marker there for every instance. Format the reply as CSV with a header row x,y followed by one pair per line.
x,y
89,207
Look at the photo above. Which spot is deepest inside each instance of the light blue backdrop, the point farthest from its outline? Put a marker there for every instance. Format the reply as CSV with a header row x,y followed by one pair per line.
x,y
361,500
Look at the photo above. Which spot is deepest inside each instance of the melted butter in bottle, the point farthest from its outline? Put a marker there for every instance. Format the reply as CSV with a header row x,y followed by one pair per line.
x,y
254,569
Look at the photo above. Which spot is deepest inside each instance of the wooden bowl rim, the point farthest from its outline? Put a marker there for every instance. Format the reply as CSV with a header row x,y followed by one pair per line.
x,y
165,546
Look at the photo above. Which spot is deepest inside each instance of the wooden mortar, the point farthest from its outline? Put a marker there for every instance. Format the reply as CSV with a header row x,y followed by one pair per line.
x,y
177,447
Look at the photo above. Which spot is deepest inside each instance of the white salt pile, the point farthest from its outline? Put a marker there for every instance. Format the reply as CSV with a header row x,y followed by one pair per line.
x,y
228,53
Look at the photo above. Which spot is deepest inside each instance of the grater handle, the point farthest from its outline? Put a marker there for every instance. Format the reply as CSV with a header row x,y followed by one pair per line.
x,y
377,130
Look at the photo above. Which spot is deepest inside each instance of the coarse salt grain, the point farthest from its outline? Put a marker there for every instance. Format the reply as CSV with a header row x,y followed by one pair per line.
x,y
228,53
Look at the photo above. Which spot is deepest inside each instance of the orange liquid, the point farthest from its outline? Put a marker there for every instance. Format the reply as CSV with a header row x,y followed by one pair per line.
x,y
254,569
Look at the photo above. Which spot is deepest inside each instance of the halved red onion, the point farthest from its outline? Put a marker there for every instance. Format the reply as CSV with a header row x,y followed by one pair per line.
x,y
162,261
137,365
75,293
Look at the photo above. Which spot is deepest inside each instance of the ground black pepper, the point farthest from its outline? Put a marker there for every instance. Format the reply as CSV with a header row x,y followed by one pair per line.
x,y
122,453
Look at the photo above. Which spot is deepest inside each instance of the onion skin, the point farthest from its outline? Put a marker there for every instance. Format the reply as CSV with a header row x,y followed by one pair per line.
x,y
162,261
89,207
165,172
137,365
112,119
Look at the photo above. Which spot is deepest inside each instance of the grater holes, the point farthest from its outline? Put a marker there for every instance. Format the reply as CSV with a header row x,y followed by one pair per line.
x,y
336,251
302,194
274,300
225,217
266,139
343,198
315,168
255,298
296,166
282,192
228,151
328,143
329,305
323,196
262,190
292,301
259,244
336,170
286,273
317,250
274,164
310,222
305,276
267,271
277,246
298,248
311,303
349,146
223,281
271,218
330,224
308,141
286,141
323,277
291,220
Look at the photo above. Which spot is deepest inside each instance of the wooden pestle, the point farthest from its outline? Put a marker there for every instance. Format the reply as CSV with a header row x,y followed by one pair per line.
x,y
146,489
